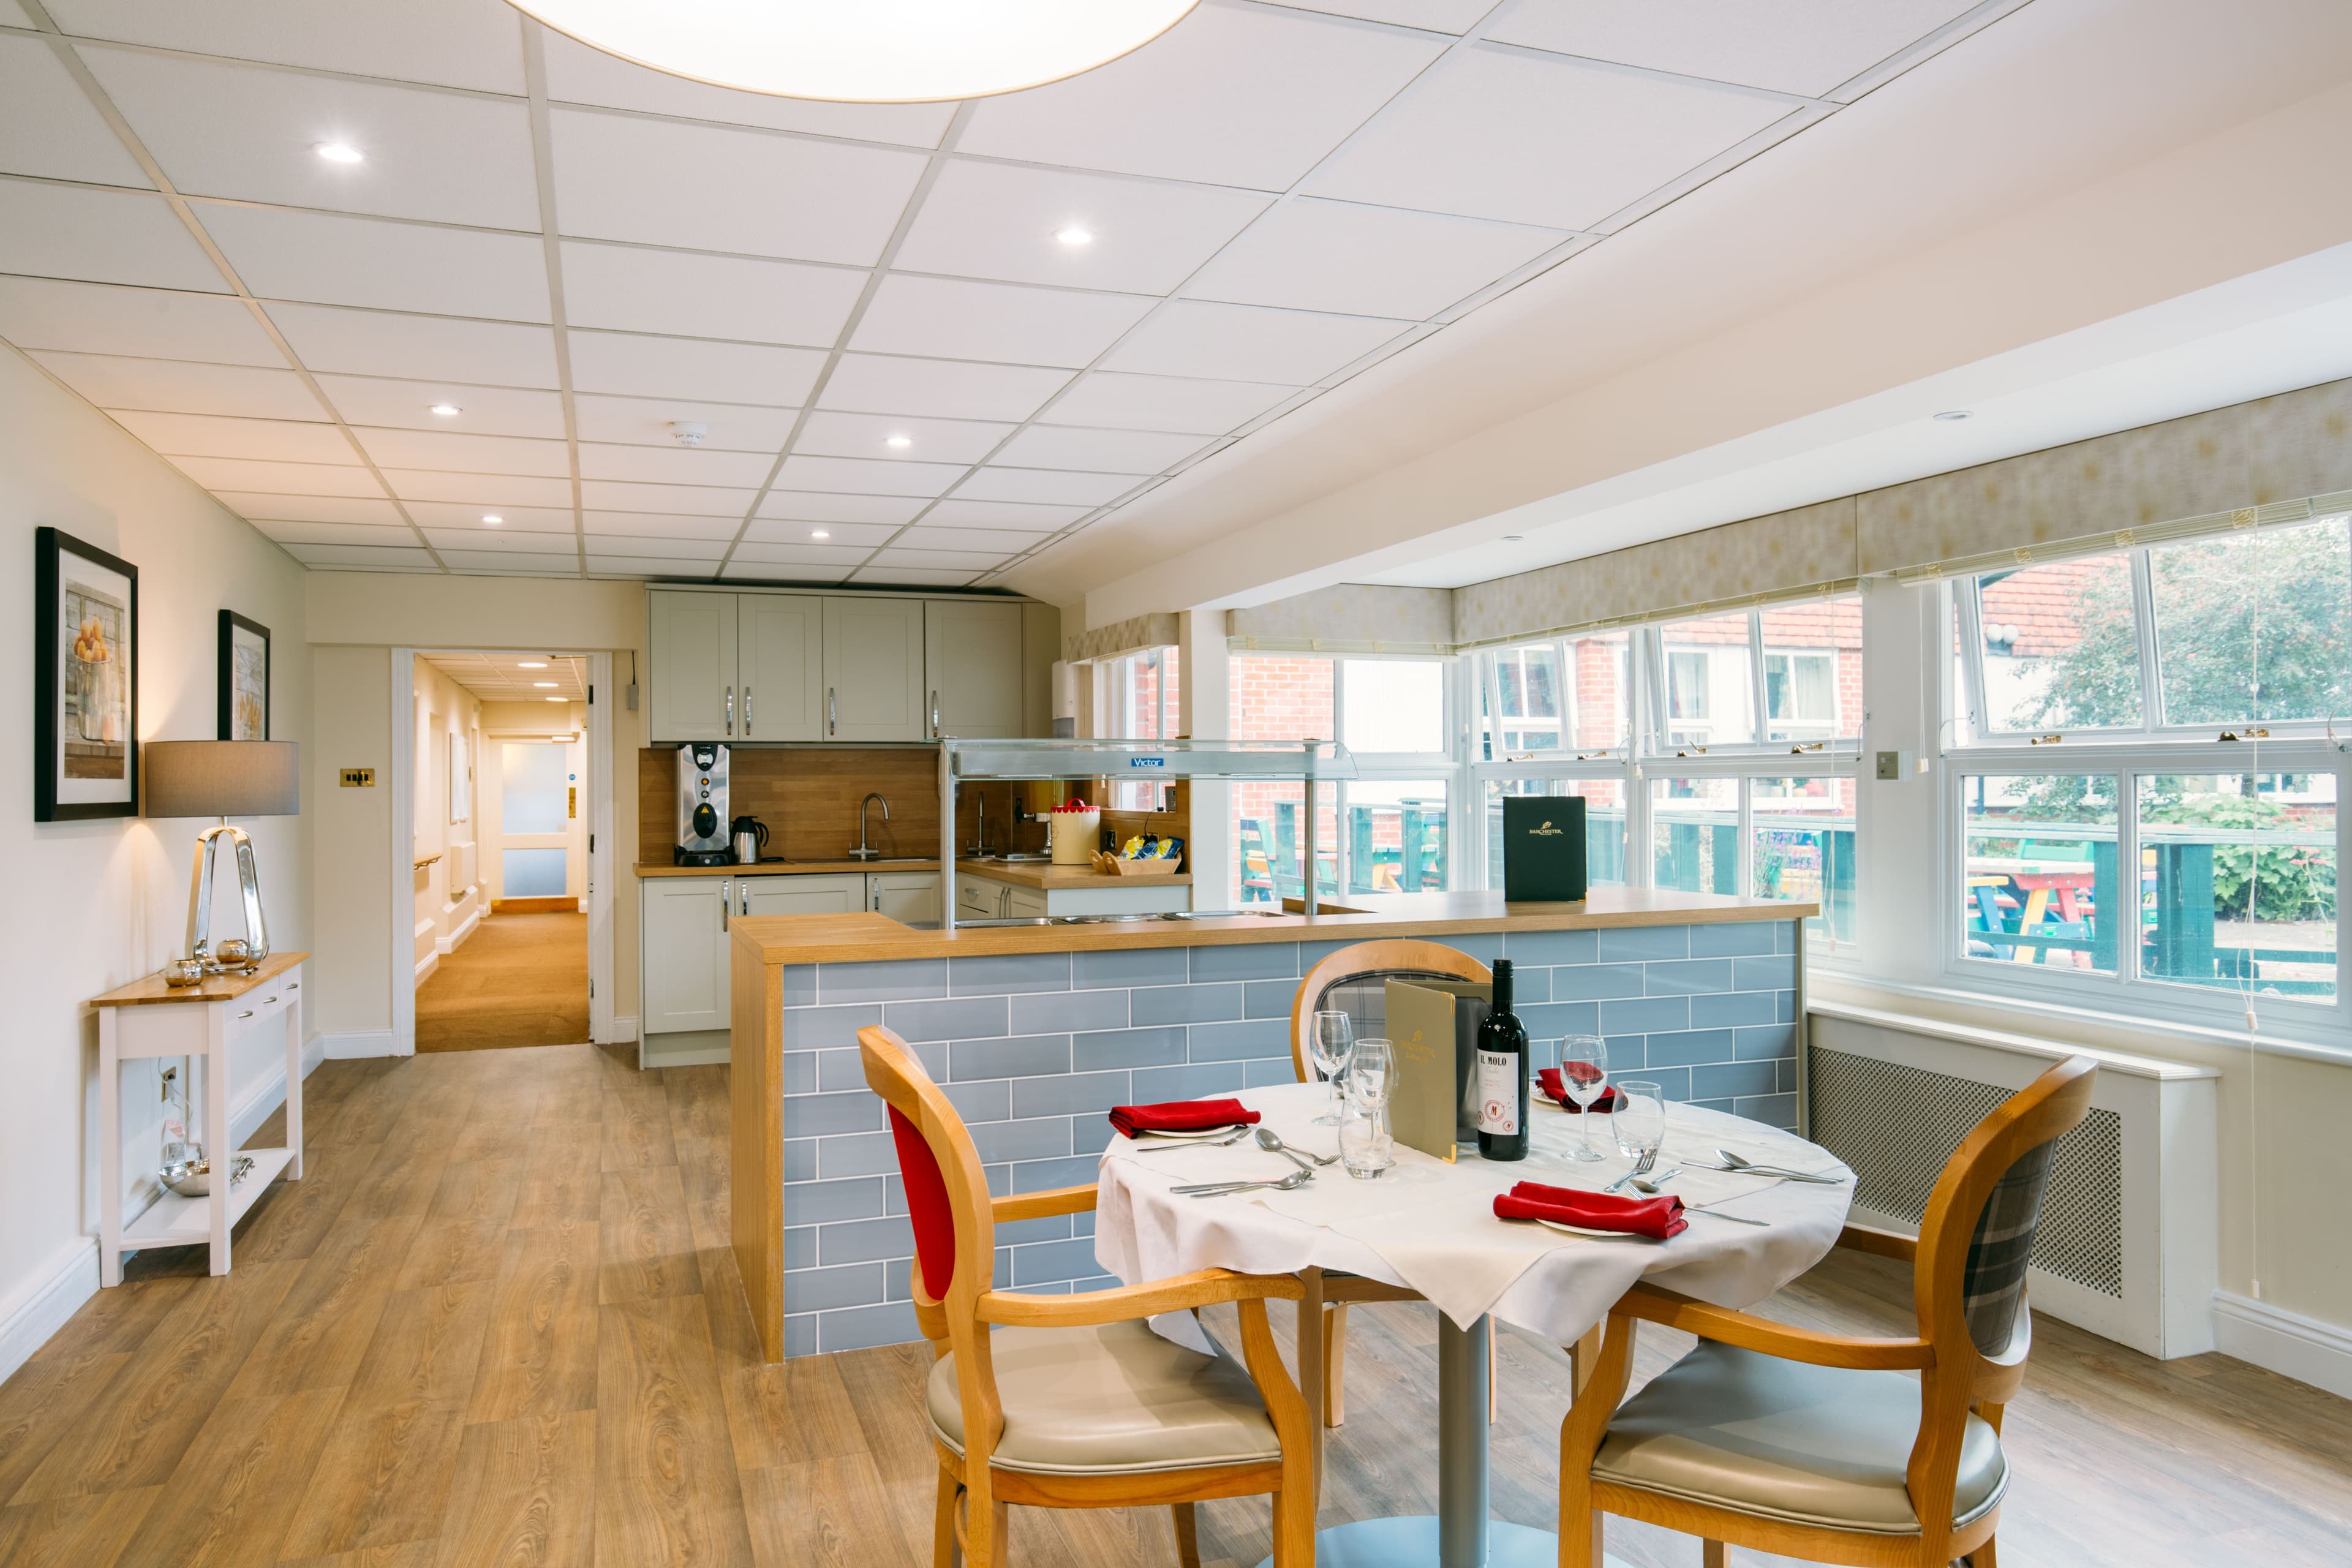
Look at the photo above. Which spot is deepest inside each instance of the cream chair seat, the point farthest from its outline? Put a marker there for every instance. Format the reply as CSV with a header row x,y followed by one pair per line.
x,y
1110,1398
1807,1445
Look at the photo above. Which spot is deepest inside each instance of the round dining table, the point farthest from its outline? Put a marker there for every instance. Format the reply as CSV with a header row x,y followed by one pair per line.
x,y
1428,1226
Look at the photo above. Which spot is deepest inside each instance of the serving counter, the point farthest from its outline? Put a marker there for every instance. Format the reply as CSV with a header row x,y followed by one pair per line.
x,y
1036,1030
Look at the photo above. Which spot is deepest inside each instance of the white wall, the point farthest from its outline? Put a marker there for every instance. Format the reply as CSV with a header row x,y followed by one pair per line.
x,y
101,903
449,897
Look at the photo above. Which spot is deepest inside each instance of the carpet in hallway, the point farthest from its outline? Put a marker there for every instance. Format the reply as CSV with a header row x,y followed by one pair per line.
x,y
519,980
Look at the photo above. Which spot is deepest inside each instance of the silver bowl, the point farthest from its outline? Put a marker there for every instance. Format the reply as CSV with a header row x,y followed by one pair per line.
x,y
194,1178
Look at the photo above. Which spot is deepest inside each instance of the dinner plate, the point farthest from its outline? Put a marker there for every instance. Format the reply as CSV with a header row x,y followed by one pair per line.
x,y
1198,1135
1566,1228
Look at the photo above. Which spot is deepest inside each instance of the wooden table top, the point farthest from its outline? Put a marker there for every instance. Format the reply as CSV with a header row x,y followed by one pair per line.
x,y
861,937
151,991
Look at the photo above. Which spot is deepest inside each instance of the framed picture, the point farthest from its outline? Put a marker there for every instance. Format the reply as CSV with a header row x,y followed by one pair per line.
x,y
85,682
244,678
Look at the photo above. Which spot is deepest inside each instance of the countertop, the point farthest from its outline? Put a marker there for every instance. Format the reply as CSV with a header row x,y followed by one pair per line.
x,y
151,990
852,938
782,868
1025,873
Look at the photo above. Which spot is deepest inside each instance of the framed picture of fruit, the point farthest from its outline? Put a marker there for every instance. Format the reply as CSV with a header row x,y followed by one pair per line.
x,y
244,678
85,682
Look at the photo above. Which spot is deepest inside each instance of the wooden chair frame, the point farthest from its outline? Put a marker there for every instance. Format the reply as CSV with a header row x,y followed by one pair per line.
x,y
1323,1318
1954,1377
974,1495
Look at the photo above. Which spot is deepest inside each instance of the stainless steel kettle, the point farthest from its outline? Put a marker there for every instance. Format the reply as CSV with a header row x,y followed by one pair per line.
x,y
749,835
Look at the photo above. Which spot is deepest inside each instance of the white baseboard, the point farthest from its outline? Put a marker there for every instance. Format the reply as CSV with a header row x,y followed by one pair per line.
x,y
458,933
2288,1343
426,965
357,1043
625,1027
42,1304
266,1093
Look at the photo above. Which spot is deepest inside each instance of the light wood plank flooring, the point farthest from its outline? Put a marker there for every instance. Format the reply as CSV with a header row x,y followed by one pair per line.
x,y
499,1327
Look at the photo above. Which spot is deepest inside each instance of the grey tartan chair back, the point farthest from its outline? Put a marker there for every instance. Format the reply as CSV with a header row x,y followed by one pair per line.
x,y
1365,999
1992,1288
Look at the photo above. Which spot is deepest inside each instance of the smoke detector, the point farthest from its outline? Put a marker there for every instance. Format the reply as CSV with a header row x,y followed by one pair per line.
x,y
689,433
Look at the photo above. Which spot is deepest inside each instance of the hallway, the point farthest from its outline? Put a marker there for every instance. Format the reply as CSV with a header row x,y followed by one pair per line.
x,y
519,980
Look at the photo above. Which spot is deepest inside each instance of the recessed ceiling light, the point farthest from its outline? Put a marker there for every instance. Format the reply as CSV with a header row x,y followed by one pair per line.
x,y
550,684
340,152
1074,235
446,410
557,700
819,533
1951,414
898,443
525,664
493,518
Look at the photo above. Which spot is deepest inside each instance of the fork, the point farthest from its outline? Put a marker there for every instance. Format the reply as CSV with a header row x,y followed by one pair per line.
x,y
1641,1168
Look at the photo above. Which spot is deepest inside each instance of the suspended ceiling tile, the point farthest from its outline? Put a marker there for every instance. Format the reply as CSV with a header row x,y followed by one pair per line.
x,y
688,294
99,237
651,566
399,537
218,435
177,386
48,127
674,465
709,188
1229,96
1527,139
646,421
910,577
455,43
634,365
1007,322
363,557
466,517
804,506
864,536
661,525
485,540
330,258
1794,45
259,509
858,475
1099,451
1248,342
578,74
1052,487
481,410
672,547
944,389
803,555
1345,257
253,134
740,571
939,560
424,348
96,317
833,435
566,564
1183,405
957,511
456,453
990,540
613,495
1004,221
1456,16
489,491
279,478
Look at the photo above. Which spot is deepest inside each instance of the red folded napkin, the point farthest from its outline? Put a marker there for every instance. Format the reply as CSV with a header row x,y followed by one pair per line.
x,y
1178,1116
1658,1217
1556,1090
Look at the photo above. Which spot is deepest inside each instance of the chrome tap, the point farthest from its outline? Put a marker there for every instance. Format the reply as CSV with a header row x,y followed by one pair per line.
x,y
864,850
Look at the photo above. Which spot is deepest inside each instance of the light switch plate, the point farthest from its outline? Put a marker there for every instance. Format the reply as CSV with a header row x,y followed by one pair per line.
x,y
359,778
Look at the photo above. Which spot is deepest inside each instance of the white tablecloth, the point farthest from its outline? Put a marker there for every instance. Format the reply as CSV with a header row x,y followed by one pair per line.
x,y
1431,1226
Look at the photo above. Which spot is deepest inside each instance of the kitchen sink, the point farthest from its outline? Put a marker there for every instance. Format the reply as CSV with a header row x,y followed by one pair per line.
x,y
1023,858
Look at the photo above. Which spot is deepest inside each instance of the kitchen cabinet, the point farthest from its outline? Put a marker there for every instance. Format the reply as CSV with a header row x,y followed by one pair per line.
x,y
691,647
874,687
780,658
973,655
684,980
829,895
981,898
911,896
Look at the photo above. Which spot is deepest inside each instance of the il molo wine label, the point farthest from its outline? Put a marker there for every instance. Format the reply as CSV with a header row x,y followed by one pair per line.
x,y
1498,1094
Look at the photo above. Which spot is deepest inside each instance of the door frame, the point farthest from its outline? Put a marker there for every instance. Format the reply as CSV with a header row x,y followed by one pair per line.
x,y
599,742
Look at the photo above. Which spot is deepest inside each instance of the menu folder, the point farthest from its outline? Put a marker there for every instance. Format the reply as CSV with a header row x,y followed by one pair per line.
x,y
1543,849
1434,1031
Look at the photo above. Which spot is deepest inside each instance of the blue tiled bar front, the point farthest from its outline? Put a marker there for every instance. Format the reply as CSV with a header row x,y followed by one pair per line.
x,y
1033,1047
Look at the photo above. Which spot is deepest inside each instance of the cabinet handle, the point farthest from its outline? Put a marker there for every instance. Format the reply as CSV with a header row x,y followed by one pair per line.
x,y
828,710
266,1001
935,713
745,894
730,709
296,986
726,894
747,712
247,1014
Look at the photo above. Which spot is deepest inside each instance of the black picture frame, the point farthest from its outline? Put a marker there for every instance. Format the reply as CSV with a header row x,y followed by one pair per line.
x,y
74,770
231,623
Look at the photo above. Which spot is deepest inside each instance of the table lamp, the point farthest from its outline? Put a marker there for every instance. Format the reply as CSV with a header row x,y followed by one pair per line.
x,y
223,779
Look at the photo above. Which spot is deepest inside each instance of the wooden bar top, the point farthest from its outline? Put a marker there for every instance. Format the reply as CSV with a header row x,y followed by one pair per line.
x,y
863,938
149,991
781,867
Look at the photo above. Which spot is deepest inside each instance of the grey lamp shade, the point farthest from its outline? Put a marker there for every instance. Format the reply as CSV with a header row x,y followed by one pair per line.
x,y
223,778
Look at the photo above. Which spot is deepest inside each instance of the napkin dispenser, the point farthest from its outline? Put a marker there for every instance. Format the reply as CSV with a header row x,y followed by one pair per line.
x,y
1433,1029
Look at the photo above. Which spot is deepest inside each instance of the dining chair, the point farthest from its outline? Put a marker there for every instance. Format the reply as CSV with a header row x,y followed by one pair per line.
x,y
1073,1401
1354,981
1818,1445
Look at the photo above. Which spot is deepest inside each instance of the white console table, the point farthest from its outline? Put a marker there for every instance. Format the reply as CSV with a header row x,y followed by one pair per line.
x,y
149,1018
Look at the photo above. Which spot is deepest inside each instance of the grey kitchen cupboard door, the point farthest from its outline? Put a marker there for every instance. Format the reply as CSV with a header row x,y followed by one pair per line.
x,y
874,669
685,979
781,639
691,678
971,654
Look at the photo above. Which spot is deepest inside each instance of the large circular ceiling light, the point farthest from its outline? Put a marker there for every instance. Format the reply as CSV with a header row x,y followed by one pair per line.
x,y
865,51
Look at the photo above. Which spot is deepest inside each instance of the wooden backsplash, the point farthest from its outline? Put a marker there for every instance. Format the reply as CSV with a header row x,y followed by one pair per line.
x,y
808,798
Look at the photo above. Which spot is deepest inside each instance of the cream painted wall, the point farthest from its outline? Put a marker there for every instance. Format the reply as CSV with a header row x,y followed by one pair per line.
x,y
351,849
360,617
102,903
448,719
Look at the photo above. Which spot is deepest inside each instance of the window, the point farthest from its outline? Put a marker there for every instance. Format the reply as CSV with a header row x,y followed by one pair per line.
x,y
1570,695
1389,830
2147,772
1604,822
1141,689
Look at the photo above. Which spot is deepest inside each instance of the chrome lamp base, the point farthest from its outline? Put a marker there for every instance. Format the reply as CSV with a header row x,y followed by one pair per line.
x,y
234,954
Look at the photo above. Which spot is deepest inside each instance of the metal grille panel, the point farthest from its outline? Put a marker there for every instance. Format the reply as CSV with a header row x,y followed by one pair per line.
x,y
1896,1125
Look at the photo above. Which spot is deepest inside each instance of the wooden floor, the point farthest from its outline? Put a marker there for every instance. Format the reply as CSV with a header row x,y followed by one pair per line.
x,y
498,1328
519,980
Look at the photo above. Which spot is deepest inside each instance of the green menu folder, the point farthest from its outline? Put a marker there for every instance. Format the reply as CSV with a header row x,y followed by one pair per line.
x,y
1432,1027
1543,849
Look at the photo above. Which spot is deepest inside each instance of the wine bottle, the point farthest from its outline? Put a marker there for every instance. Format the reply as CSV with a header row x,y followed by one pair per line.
x,y
1502,1069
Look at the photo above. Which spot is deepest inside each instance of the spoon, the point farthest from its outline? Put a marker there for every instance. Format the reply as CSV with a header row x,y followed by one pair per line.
x,y
1732,1162
1221,1142
1271,1142
1290,1183
1650,1188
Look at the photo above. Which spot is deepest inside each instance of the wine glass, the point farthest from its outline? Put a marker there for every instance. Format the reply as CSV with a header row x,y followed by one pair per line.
x,y
1584,1074
1331,1042
1365,1147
